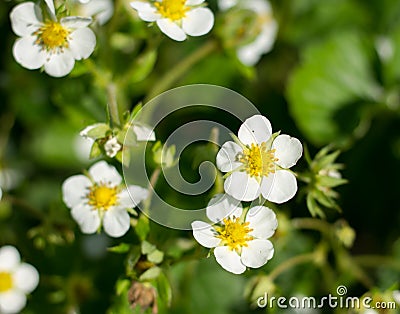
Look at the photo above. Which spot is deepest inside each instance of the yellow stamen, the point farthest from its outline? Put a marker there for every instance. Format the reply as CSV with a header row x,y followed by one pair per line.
x,y
52,35
103,197
258,160
234,233
6,282
172,9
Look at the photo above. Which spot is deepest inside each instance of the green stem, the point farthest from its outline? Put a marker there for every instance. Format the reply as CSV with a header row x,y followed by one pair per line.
x,y
377,261
290,263
152,184
26,207
312,224
113,105
171,76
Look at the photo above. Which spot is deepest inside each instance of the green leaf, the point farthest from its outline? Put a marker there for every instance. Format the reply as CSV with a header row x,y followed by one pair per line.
x,y
334,74
142,66
313,207
155,257
164,289
151,273
120,248
131,261
142,228
147,247
122,286
99,130
329,181
95,151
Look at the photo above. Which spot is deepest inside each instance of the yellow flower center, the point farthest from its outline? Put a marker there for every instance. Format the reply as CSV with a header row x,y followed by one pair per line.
x,y
172,9
103,197
258,160
234,233
6,282
52,35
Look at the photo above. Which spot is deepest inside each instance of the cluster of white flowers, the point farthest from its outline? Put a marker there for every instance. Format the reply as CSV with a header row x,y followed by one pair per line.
x,y
256,164
53,43
16,280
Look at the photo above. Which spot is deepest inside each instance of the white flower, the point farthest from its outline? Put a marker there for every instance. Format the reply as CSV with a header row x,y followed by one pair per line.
x,y
99,199
50,43
259,165
100,10
251,53
176,18
16,280
238,242
112,147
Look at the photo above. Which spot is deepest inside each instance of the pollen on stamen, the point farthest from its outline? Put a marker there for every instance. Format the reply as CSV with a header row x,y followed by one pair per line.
x,y
172,9
52,36
258,160
234,233
102,197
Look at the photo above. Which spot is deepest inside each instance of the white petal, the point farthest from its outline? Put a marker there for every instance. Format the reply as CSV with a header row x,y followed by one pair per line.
x,y
198,22
229,260
116,222
131,197
102,10
76,22
205,234
12,302
280,187
25,18
257,253
226,4
102,172
146,11
1,194
59,64
28,54
75,189
226,157
256,129
263,222
288,150
242,187
87,218
193,2
9,258
50,5
82,43
144,133
171,29
26,278
222,206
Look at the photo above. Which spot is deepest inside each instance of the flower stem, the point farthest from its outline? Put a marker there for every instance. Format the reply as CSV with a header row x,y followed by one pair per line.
x,y
377,261
152,183
171,76
112,104
290,263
